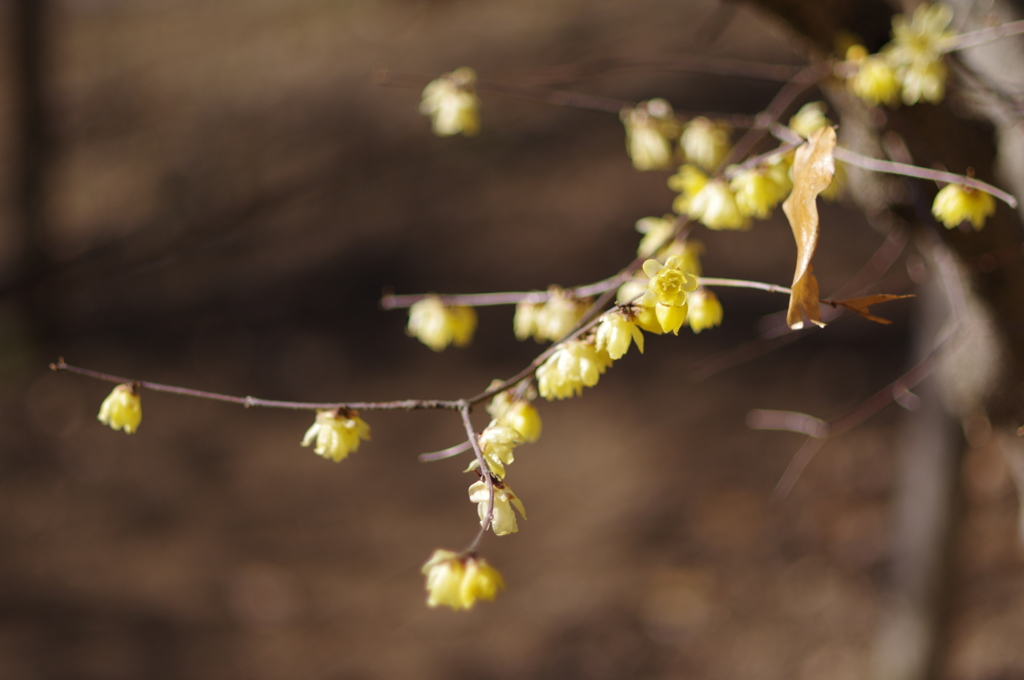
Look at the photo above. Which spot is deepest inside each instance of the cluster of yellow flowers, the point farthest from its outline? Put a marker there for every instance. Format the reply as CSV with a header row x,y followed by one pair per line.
x,y
459,581
452,104
438,325
652,130
910,66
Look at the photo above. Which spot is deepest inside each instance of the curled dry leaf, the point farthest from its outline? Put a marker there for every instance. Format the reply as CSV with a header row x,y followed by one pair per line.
x,y
860,305
813,170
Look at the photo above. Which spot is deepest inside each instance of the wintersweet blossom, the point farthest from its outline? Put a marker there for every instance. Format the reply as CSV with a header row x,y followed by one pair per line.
x,y
459,581
666,293
915,52
715,207
705,143
122,409
757,192
615,332
657,233
522,417
438,325
809,118
705,310
650,129
688,182
337,433
873,80
955,203
497,443
503,520
574,365
452,104
551,321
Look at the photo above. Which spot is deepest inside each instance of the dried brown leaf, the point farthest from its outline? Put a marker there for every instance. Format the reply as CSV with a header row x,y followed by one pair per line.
x,y
860,305
813,170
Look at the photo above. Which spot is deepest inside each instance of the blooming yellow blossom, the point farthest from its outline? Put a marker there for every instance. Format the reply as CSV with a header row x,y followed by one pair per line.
x,y
522,417
337,433
666,293
458,582
615,332
757,192
705,310
503,520
122,409
650,129
716,208
551,321
497,443
688,182
437,325
874,80
955,203
671,318
574,365
452,104
809,118
657,233
915,52
705,143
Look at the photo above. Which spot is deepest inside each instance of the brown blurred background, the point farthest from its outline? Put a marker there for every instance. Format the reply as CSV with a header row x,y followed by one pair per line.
x,y
222,194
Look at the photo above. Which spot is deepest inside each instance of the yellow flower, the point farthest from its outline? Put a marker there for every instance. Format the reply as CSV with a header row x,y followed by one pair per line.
x,y
122,409
650,129
705,310
551,321
705,143
809,118
437,325
632,289
574,365
955,203
458,582
522,417
716,208
657,233
915,52
688,182
337,433
647,317
503,520
671,318
669,284
497,443
757,192
874,81
452,104
615,332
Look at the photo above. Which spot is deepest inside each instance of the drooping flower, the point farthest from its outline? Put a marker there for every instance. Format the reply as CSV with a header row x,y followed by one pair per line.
x,y
551,321
516,412
497,443
915,52
458,582
688,182
809,118
650,129
574,365
955,203
503,520
122,409
452,104
874,80
657,233
438,325
716,208
615,332
756,191
337,433
705,143
705,310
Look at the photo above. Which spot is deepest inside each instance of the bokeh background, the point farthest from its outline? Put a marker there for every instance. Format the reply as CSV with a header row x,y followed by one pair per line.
x,y
224,194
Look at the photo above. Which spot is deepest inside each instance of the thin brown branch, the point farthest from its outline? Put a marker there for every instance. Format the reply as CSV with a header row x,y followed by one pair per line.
x,y
485,472
444,453
985,35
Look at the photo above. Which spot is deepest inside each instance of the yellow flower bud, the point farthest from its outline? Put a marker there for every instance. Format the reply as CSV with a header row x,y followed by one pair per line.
x,y
122,409
337,433
705,310
809,118
437,325
715,207
955,203
657,233
574,365
522,417
458,582
615,332
688,182
874,81
503,520
525,321
705,143
650,129
452,104
558,316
